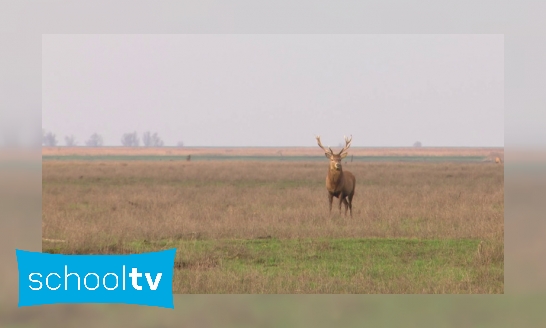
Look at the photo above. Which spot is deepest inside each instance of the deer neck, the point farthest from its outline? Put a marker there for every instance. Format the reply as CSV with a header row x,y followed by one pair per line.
x,y
334,177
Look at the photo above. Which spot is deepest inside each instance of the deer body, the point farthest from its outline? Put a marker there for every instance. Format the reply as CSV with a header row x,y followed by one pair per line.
x,y
339,183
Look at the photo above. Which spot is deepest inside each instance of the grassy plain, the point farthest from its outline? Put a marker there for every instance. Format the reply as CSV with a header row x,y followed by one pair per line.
x,y
264,227
490,153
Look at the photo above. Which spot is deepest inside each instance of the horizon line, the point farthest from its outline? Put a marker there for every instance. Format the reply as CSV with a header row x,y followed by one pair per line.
x,y
183,147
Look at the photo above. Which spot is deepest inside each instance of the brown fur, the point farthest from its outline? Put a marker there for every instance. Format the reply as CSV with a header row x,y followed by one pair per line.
x,y
339,183
498,160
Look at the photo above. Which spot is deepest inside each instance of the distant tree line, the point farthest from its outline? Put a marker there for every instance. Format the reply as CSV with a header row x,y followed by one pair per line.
x,y
149,139
130,140
49,139
94,141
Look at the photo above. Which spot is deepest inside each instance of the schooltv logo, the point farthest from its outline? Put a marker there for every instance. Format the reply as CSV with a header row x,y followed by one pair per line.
x,y
143,279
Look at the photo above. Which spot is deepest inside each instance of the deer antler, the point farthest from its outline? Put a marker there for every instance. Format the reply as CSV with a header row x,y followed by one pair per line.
x,y
321,146
347,144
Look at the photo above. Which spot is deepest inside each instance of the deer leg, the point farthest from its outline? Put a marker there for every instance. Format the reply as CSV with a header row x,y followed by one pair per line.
x,y
341,198
330,199
351,204
346,205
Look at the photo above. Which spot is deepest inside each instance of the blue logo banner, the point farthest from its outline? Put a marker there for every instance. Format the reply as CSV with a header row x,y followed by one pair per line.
x,y
143,279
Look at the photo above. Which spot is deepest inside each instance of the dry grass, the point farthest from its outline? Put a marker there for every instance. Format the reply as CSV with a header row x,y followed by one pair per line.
x,y
125,207
273,151
132,200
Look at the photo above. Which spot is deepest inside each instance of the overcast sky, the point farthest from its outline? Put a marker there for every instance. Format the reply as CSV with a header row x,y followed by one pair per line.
x,y
276,90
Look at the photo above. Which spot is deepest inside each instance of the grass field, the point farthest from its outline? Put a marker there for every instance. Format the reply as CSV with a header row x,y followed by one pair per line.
x,y
171,158
264,227
78,152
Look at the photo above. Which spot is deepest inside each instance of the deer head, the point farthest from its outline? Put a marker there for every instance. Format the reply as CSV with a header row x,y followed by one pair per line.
x,y
335,159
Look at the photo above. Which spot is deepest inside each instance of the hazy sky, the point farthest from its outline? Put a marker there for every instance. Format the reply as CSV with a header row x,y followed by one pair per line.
x,y
276,90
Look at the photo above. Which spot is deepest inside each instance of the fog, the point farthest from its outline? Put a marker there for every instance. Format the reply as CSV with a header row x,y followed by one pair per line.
x,y
276,90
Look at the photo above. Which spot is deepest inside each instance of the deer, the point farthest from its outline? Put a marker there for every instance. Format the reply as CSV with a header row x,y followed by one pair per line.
x,y
339,183
498,160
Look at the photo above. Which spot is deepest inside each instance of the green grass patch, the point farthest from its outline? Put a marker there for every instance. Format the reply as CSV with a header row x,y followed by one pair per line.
x,y
323,265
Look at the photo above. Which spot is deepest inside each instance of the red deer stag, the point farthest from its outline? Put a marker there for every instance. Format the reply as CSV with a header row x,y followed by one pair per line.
x,y
339,183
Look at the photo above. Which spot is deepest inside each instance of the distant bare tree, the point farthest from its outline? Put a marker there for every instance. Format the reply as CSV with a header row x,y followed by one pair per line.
x,y
417,144
49,139
130,140
180,144
70,141
94,141
151,140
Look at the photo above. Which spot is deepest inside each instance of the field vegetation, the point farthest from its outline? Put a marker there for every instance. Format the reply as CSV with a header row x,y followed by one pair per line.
x,y
264,227
489,153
